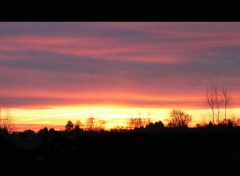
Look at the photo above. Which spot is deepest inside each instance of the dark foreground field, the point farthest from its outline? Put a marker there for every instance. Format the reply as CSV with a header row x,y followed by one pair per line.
x,y
164,152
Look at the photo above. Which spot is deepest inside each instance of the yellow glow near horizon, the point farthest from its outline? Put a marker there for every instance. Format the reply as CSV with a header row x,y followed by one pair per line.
x,y
112,115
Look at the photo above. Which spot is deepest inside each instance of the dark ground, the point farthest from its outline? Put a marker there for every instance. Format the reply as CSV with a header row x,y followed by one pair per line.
x,y
165,152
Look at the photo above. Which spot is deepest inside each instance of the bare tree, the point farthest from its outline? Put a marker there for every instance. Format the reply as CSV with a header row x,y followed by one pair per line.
x,y
210,98
148,120
214,101
226,101
178,119
138,122
90,124
134,123
78,124
217,100
235,121
218,103
101,125
6,120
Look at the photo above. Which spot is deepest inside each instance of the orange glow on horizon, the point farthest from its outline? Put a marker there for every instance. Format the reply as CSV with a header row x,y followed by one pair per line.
x,y
114,116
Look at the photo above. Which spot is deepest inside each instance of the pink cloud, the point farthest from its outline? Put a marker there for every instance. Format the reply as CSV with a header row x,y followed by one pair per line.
x,y
117,62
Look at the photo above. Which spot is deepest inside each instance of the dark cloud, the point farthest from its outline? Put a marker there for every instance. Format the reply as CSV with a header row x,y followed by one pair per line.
x,y
41,28
46,103
9,29
55,71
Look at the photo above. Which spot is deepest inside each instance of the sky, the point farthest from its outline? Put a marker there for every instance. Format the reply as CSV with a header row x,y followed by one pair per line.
x,y
52,72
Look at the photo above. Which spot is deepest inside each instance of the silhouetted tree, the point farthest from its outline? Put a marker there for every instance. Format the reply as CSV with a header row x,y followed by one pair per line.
x,y
226,101
148,119
159,124
210,124
234,121
51,130
155,126
6,120
139,122
43,132
69,126
214,101
135,123
78,125
90,124
229,124
100,125
178,119
218,99
27,133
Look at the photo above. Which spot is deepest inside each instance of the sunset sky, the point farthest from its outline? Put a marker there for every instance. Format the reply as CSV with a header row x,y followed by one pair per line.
x,y
52,72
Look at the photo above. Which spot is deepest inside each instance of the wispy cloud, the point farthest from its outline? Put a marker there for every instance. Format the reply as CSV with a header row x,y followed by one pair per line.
x,y
53,63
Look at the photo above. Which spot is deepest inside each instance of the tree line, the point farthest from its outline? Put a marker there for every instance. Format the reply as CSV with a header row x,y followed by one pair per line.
x,y
217,99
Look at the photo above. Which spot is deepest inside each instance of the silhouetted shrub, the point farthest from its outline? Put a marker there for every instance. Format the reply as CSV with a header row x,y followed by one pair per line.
x,y
210,125
3,132
43,132
27,133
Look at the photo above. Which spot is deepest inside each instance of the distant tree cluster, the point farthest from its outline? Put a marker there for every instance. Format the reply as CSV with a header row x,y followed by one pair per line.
x,y
138,122
91,124
155,126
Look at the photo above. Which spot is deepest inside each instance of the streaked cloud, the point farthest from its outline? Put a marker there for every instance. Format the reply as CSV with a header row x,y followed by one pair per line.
x,y
156,64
